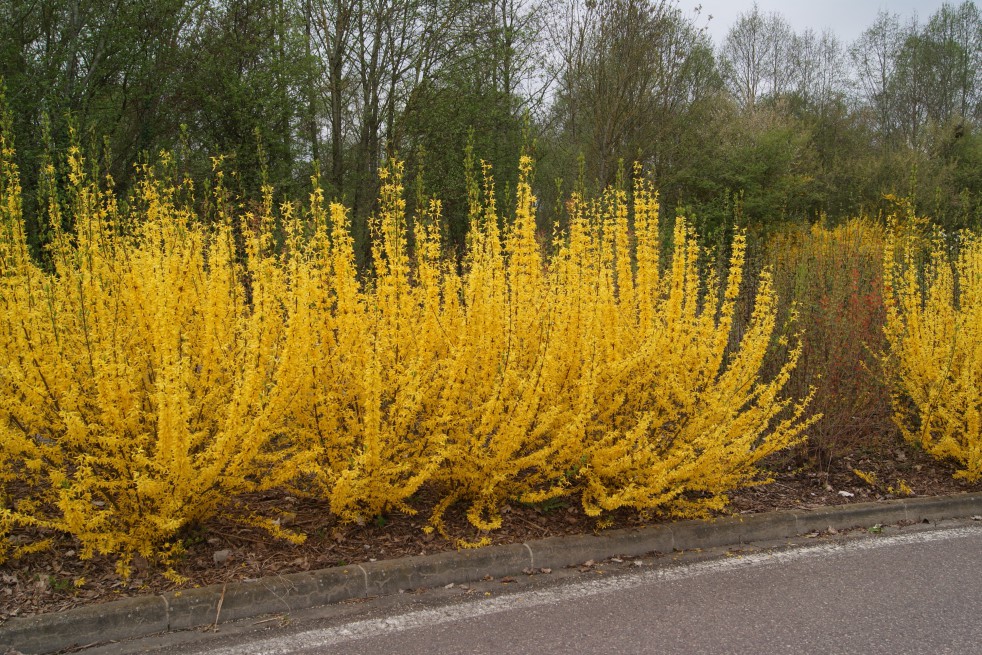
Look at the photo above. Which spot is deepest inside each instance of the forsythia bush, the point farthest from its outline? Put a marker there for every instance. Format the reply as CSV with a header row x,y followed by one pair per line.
x,y
164,366
138,386
366,362
592,372
934,327
607,373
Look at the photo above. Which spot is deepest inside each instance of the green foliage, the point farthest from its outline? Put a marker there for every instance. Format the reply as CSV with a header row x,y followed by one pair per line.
x,y
765,114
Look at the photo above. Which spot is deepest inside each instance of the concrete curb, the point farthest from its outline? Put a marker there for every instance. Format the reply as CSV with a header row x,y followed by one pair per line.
x,y
180,610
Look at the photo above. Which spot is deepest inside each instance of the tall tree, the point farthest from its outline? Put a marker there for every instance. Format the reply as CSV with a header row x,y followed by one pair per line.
x,y
112,67
628,72
875,58
757,56
820,70
243,78
952,41
479,95
376,55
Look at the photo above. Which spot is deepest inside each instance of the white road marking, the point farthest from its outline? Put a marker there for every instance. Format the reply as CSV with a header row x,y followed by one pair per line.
x,y
321,637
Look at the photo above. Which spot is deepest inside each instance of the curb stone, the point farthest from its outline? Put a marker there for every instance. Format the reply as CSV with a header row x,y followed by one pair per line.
x,y
179,610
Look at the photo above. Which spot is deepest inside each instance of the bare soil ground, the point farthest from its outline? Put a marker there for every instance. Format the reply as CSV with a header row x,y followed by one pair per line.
x,y
224,551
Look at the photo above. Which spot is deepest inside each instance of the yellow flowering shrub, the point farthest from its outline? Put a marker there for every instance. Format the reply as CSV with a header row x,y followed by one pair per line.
x,y
598,374
511,432
671,417
138,384
934,328
166,364
365,361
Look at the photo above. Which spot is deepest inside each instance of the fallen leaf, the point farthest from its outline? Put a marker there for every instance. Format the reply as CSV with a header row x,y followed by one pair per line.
x,y
507,579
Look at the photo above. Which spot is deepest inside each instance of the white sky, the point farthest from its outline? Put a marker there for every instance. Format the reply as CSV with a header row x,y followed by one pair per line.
x,y
846,18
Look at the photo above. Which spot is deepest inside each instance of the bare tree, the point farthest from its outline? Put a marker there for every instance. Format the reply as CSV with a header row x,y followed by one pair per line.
x,y
819,67
375,54
627,70
874,57
757,56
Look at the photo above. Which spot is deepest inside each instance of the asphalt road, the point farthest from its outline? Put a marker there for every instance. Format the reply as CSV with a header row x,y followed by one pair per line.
x,y
902,591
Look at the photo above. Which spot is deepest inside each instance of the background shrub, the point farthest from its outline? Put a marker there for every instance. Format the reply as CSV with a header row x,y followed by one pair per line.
x,y
832,279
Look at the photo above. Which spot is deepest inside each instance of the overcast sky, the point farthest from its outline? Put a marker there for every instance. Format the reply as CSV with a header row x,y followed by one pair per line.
x,y
847,18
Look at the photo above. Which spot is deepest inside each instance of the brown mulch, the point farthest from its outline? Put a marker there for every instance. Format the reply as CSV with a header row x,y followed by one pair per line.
x,y
224,551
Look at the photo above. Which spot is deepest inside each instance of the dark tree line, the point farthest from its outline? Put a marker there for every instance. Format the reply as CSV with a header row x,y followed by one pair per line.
x,y
793,124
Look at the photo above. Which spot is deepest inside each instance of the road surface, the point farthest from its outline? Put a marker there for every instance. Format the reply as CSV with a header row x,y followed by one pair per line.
x,y
906,590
